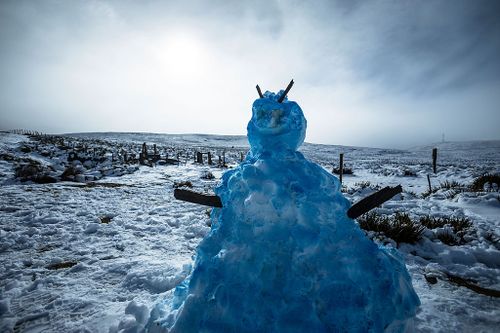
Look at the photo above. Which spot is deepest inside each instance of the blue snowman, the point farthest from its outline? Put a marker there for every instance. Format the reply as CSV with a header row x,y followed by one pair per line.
x,y
282,255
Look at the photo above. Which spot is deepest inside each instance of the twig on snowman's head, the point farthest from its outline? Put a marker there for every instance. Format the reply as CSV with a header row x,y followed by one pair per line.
x,y
259,91
286,92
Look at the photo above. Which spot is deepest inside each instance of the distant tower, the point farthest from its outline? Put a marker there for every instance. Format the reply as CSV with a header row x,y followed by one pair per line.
x,y
442,138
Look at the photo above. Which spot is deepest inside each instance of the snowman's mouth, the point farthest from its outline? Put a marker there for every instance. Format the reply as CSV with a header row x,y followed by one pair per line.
x,y
276,116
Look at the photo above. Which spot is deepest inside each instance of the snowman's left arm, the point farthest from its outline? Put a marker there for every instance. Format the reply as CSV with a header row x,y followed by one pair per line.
x,y
373,200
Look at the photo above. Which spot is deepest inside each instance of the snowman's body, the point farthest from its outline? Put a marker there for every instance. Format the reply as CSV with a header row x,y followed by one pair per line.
x,y
282,255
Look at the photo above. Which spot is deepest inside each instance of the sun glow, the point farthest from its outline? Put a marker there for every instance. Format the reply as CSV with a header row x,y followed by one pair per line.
x,y
183,56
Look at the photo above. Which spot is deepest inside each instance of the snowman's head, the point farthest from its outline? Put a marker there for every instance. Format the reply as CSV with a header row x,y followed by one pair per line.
x,y
276,126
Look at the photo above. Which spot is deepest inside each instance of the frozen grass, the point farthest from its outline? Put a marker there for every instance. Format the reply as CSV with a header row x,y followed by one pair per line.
x,y
345,171
180,184
399,227
459,224
409,173
62,265
207,175
453,184
486,182
451,188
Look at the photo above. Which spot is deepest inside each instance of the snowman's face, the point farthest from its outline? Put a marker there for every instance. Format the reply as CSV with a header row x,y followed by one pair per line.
x,y
270,121
276,126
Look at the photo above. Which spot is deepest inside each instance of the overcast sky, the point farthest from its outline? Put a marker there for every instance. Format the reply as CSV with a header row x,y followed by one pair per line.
x,y
370,73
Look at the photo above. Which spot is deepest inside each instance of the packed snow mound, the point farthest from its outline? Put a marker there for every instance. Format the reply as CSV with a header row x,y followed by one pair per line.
x,y
282,255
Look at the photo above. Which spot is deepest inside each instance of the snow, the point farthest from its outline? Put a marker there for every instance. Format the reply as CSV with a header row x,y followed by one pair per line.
x,y
45,224
148,245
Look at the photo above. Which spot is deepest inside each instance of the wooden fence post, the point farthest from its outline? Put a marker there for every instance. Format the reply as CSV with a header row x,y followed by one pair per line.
x,y
209,156
429,181
434,159
199,157
341,167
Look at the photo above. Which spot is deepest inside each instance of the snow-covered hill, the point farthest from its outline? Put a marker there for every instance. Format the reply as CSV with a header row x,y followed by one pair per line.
x,y
91,255
169,139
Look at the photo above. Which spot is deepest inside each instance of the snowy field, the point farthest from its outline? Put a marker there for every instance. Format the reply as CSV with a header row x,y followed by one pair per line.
x,y
77,251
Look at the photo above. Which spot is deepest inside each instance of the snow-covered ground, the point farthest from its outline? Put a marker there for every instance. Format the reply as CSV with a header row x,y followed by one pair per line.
x,y
75,255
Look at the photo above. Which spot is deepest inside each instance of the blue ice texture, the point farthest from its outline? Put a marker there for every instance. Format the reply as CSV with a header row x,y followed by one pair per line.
x,y
282,255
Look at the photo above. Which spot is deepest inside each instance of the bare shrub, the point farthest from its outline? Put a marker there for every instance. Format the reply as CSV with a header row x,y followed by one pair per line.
x,y
448,237
183,184
207,175
398,227
451,185
345,171
460,226
409,173
404,230
35,172
478,184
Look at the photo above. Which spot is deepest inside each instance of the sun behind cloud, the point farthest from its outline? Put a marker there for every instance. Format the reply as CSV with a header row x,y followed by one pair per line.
x,y
182,56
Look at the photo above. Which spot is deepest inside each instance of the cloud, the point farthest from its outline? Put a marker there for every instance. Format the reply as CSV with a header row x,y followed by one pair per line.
x,y
191,66
431,48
